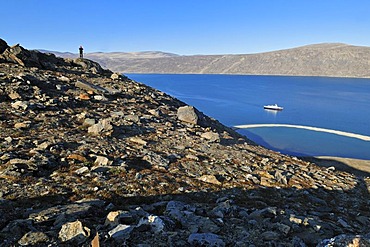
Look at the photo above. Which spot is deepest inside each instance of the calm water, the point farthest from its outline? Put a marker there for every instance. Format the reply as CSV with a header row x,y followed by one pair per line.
x,y
333,103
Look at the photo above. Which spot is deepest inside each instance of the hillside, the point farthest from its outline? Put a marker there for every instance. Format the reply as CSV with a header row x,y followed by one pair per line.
x,y
333,59
89,157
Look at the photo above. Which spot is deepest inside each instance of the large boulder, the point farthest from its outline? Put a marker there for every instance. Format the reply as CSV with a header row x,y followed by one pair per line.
x,y
89,65
187,114
191,115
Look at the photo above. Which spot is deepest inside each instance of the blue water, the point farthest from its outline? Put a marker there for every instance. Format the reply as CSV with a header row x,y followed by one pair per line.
x,y
332,103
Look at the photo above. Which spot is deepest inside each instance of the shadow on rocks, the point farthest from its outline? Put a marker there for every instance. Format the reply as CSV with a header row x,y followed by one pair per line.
x,y
261,216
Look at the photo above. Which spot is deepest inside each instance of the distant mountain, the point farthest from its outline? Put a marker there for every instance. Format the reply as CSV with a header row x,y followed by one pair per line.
x,y
328,59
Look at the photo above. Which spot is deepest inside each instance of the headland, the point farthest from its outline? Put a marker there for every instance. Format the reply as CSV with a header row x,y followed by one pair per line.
x,y
89,157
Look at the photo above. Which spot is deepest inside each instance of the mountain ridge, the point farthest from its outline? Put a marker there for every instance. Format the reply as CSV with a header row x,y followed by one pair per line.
x,y
324,59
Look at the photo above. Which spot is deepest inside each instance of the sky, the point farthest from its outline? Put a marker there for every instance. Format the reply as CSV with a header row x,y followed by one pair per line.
x,y
185,27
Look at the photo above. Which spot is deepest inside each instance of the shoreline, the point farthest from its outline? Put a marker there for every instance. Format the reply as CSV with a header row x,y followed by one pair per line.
x,y
358,167
331,131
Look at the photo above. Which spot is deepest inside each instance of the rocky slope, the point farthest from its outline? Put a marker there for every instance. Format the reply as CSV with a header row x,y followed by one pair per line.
x,y
336,60
91,158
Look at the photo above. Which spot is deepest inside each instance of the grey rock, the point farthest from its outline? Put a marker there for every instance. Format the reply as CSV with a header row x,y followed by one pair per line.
x,y
187,114
89,65
82,170
138,140
8,139
117,114
185,215
226,207
103,125
156,160
362,219
211,136
270,235
74,232
100,97
102,161
210,179
205,239
44,145
155,112
344,223
87,86
297,242
282,228
253,178
269,212
64,79
33,238
121,232
155,223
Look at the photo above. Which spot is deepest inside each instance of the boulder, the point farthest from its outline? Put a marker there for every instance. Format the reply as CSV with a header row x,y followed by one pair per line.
x,y
87,86
33,238
74,232
187,114
121,232
89,65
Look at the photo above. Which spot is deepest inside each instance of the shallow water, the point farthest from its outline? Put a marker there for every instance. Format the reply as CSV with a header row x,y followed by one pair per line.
x,y
341,104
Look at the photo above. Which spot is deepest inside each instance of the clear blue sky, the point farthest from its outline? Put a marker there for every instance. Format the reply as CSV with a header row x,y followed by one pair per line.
x,y
183,26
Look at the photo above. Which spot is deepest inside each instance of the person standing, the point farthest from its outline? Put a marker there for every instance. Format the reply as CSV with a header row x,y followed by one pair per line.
x,y
81,51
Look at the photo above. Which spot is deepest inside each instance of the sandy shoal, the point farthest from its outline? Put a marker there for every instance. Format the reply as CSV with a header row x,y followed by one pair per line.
x,y
355,166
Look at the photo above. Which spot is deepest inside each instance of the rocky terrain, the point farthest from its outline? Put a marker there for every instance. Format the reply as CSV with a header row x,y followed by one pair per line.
x,y
91,158
331,59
